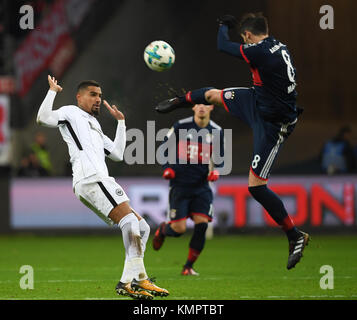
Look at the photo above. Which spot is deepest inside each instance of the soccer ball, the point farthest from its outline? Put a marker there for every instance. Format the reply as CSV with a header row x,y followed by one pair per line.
x,y
159,56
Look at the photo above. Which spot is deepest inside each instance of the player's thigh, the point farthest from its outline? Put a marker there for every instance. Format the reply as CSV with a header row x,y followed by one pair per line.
x,y
178,209
240,102
201,207
103,197
268,141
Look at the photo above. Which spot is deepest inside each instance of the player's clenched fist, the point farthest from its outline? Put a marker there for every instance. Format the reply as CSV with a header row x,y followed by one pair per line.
x,y
229,20
169,174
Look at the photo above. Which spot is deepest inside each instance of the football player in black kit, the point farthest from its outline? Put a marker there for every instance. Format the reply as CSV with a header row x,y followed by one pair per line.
x,y
269,108
197,140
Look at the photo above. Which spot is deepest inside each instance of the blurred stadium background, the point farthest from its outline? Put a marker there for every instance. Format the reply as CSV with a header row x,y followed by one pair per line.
x,y
104,40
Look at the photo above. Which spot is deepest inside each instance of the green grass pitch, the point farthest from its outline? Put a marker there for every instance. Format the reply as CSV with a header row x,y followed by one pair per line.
x,y
234,267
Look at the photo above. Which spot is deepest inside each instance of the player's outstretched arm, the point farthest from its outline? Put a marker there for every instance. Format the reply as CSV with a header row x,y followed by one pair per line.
x,y
46,116
116,148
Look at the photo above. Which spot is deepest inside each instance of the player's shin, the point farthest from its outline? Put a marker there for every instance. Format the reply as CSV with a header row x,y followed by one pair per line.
x,y
275,208
197,243
196,96
144,233
134,265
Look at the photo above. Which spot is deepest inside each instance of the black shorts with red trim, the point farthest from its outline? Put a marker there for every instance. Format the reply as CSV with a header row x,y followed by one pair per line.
x,y
268,136
185,202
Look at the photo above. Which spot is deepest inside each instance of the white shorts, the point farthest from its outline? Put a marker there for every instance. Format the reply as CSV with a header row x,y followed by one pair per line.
x,y
101,196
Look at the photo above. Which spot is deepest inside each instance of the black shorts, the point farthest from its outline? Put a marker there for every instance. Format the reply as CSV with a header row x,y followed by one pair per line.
x,y
185,202
268,137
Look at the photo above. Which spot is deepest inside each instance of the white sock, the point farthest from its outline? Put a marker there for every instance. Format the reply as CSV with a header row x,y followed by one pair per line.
x,y
129,226
144,232
133,268
133,220
127,275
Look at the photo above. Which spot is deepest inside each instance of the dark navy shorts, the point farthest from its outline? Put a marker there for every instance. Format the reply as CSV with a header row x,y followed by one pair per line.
x,y
268,137
185,202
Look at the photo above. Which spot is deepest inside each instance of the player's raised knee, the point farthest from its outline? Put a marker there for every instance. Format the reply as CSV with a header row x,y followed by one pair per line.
x,y
179,227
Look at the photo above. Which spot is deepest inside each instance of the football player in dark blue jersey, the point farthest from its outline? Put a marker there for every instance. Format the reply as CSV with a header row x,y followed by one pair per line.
x,y
269,108
195,141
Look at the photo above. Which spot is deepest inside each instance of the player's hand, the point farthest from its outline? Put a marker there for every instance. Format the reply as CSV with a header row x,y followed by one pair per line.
x,y
54,86
213,175
169,174
229,20
114,111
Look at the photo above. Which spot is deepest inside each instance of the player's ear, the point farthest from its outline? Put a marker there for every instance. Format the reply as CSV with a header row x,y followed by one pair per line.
x,y
78,95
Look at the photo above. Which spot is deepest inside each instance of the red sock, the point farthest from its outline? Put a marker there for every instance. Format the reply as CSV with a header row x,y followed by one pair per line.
x,y
287,223
193,255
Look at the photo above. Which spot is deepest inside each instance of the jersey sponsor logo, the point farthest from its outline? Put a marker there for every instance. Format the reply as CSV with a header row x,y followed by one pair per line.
x,y
194,152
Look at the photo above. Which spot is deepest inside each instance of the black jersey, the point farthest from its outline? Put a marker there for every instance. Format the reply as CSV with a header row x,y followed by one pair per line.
x,y
273,74
195,149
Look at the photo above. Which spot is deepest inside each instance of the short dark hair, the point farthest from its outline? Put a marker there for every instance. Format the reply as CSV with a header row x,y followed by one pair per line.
x,y
87,83
256,23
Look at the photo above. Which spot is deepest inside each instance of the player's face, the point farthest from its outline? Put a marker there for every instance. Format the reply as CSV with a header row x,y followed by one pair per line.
x,y
202,110
89,99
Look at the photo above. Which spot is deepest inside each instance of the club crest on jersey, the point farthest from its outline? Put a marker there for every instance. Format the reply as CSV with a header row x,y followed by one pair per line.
x,y
229,95
173,213
119,192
